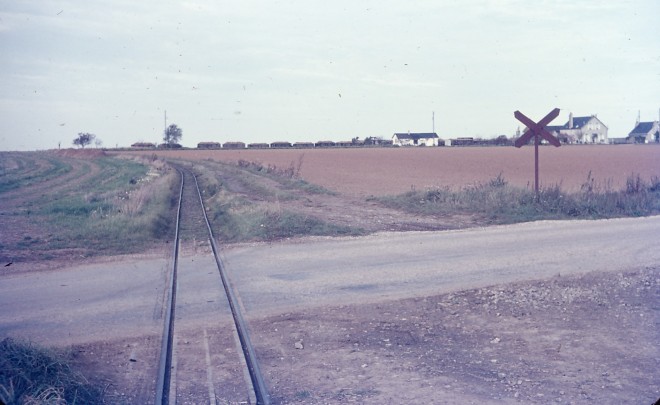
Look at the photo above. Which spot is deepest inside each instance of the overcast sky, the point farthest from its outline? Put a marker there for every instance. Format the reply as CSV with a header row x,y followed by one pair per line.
x,y
310,70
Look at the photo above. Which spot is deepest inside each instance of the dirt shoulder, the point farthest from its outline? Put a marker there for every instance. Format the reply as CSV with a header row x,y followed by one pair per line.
x,y
589,339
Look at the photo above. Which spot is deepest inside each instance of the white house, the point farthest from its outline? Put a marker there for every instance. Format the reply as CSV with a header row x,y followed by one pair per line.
x,y
581,130
645,132
415,139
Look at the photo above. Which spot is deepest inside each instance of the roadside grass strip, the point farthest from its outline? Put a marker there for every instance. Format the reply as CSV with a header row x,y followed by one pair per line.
x,y
498,202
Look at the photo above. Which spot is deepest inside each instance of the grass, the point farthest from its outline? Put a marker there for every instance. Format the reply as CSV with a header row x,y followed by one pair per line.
x,y
501,203
125,208
256,223
121,214
30,374
244,203
29,169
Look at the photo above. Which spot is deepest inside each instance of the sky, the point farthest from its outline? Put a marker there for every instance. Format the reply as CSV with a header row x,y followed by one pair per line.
x,y
310,70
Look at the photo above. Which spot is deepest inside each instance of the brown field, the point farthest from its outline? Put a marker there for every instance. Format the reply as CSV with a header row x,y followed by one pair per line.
x,y
386,171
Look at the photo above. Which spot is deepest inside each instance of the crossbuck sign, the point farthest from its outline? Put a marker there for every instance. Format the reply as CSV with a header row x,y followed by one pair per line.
x,y
538,131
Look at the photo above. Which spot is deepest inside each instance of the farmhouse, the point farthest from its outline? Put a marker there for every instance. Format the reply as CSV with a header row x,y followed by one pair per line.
x,y
580,130
645,132
415,139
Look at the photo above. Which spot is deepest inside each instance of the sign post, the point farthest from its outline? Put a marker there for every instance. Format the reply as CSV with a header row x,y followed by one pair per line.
x,y
538,131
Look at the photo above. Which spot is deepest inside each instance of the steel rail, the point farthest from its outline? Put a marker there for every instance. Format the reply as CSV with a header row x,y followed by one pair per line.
x,y
165,364
258,385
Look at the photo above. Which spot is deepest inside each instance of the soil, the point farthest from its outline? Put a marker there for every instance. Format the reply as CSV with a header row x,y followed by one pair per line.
x,y
590,339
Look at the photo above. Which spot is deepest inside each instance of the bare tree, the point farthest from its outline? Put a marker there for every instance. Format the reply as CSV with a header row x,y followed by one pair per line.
x,y
84,139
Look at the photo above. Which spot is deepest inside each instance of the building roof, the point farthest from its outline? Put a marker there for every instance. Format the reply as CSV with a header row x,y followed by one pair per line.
x,y
643,128
416,135
578,122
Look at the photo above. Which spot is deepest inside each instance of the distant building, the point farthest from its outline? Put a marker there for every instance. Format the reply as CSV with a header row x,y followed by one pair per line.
x,y
580,130
415,139
463,141
645,132
143,145
233,145
209,145
324,144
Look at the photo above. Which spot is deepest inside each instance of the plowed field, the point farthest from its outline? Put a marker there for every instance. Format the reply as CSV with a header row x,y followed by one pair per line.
x,y
388,171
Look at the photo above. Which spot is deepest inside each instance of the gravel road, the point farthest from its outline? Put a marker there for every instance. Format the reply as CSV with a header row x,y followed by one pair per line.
x,y
115,299
273,278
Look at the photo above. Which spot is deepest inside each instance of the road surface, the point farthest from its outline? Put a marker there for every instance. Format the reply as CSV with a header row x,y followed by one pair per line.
x,y
121,299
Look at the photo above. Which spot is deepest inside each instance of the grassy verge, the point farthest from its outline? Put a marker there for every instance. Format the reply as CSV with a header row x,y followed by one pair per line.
x,y
258,223
34,375
501,203
244,203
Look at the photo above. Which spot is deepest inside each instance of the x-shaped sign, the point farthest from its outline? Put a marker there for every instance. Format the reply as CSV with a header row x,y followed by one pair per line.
x,y
534,128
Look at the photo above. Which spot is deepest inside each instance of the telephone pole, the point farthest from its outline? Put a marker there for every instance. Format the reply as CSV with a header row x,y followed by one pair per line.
x,y
433,120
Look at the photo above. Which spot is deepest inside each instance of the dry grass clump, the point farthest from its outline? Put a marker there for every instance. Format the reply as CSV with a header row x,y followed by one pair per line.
x,y
31,375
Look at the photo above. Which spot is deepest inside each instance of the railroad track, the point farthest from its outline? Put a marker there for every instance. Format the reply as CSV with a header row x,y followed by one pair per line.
x,y
194,373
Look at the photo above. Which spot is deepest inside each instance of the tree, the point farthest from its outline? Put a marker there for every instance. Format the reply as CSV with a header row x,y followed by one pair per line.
x,y
172,135
84,139
502,140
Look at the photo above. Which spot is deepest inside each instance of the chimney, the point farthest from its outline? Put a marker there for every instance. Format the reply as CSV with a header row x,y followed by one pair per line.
x,y
570,120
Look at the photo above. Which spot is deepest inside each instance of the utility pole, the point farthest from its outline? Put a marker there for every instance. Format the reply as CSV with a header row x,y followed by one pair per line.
x,y
433,120
165,120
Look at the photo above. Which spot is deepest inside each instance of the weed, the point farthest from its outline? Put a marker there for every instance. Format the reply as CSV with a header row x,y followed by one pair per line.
x,y
300,395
